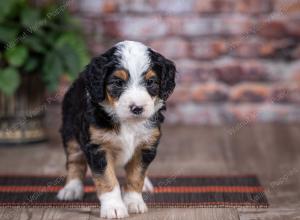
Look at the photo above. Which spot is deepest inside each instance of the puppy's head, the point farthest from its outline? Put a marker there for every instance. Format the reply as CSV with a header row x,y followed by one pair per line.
x,y
130,80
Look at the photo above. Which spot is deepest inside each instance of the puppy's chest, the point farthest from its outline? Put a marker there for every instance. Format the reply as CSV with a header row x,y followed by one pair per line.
x,y
128,139
123,143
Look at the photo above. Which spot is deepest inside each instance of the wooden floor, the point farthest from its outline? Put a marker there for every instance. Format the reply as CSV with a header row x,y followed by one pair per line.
x,y
269,150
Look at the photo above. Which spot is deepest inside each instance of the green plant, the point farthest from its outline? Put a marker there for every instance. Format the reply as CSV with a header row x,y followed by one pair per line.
x,y
38,40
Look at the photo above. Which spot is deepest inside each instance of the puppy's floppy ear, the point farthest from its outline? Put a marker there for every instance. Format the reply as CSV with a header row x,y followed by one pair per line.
x,y
96,73
167,71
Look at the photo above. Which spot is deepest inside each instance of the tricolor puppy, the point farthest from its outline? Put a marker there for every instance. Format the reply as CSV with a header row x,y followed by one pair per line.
x,y
111,117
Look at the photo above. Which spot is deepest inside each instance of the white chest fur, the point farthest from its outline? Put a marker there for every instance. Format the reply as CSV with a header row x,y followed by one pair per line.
x,y
124,142
131,135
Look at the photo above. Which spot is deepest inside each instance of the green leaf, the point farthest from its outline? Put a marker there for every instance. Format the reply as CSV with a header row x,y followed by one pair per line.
x,y
52,69
30,16
77,44
35,44
31,65
6,8
9,80
71,61
8,33
16,56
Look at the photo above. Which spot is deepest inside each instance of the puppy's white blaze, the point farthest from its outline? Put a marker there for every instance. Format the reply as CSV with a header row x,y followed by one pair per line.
x,y
134,57
112,205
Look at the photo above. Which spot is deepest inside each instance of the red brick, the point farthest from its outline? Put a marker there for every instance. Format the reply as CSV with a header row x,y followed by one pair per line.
x,y
272,28
256,47
208,49
139,6
287,92
296,52
276,48
155,6
228,71
174,23
171,47
191,71
181,94
210,92
295,94
214,6
293,27
237,25
176,6
250,92
253,6
249,48
234,71
110,6
294,72
226,25
280,93
97,7
287,7
140,28
110,26
255,71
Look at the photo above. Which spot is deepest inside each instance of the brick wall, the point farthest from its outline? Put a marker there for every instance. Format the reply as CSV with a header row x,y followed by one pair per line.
x,y
238,60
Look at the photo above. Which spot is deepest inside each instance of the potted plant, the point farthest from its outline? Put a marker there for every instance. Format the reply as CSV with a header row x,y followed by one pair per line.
x,y
37,46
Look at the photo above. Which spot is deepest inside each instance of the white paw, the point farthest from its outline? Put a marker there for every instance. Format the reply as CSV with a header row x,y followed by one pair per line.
x,y
112,205
134,202
117,210
148,187
73,190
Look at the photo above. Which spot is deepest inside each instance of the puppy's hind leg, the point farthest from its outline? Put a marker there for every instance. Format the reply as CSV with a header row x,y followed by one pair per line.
x,y
76,168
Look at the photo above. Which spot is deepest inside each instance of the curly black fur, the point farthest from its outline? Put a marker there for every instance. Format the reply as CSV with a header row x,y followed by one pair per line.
x,y
167,71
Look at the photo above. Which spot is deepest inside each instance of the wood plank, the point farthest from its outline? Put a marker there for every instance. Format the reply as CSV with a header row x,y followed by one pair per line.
x,y
10,213
32,213
184,213
271,213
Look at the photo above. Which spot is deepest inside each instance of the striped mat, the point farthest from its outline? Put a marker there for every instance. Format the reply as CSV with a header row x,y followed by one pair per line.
x,y
179,191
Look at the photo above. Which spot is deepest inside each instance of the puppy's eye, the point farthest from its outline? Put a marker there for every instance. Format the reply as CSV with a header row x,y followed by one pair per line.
x,y
151,82
119,82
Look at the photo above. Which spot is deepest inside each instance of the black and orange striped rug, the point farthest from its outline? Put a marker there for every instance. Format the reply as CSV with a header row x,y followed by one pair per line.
x,y
179,191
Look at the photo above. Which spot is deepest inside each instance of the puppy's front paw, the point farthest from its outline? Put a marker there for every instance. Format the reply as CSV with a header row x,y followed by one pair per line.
x,y
134,202
112,205
116,210
73,190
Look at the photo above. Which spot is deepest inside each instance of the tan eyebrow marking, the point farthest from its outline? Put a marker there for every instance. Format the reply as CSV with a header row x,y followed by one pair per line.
x,y
122,74
150,74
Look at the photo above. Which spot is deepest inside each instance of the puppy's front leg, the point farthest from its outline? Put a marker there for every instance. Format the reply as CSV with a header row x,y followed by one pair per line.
x,y
135,176
106,183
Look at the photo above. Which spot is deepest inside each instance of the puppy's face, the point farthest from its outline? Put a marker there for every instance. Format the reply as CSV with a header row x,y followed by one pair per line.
x,y
136,81
133,97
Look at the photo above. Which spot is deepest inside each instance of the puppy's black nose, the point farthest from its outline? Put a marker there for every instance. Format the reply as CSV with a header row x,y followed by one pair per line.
x,y
137,110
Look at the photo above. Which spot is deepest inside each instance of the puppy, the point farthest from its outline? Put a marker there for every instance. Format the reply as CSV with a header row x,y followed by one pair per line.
x,y
111,117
